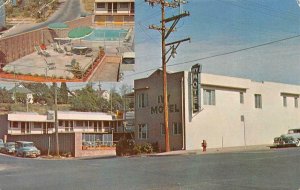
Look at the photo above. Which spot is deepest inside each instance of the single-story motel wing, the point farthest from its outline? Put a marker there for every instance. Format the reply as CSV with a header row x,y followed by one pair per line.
x,y
80,133
232,112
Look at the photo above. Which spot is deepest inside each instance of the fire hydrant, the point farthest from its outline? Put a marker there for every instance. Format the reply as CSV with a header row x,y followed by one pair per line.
x,y
204,145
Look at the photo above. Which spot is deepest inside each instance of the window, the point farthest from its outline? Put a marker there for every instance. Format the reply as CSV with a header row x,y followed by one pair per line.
x,y
241,97
142,100
14,124
177,128
124,5
284,101
258,101
143,131
60,123
37,125
162,129
79,123
100,5
209,97
296,102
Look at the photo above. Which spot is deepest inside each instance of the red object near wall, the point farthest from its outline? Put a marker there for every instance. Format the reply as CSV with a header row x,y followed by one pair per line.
x,y
43,46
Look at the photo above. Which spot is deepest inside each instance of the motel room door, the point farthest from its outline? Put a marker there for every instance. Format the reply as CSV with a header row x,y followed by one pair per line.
x,y
25,128
45,130
115,7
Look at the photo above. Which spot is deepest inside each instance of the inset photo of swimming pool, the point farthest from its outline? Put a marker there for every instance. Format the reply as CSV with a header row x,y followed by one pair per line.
x,y
95,45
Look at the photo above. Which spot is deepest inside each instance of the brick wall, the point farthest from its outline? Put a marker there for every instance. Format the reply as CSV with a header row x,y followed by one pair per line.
x,y
15,47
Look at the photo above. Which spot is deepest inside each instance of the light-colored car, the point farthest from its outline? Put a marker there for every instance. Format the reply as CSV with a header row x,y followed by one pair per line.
x,y
27,149
9,148
292,138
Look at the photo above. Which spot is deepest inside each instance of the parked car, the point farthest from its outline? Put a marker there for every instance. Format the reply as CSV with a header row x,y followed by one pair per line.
x,y
292,138
1,143
9,148
27,149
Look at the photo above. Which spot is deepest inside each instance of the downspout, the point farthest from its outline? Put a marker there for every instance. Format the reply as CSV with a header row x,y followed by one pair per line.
x,y
182,114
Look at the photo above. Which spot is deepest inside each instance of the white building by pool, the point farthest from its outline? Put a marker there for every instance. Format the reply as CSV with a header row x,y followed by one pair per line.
x,y
233,111
114,12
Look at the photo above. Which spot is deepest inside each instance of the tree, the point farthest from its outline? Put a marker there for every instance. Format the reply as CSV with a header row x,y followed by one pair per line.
x,y
41,93
87,99
63,94
21,98
115,100
5,96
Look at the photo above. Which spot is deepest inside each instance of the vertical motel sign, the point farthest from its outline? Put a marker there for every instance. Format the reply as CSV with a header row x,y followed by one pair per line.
x,y
196,88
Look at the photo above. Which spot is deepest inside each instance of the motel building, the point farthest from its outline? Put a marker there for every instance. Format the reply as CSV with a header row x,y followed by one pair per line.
x,y
228,111
77,130
114,12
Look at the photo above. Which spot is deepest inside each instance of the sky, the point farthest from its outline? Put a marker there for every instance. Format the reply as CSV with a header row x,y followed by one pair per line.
x,y
218,27
221,26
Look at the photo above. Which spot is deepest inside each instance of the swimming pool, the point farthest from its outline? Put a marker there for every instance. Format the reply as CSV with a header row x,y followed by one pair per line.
x,y
107,35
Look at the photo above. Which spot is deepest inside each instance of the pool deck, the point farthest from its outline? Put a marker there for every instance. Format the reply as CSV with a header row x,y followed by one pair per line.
x,y
57,66
36,65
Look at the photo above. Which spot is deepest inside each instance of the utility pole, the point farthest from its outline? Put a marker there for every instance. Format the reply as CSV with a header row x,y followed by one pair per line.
x,y
165,32
55,119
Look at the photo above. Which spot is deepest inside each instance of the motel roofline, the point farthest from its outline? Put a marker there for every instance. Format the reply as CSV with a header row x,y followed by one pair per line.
x,y
223,81
61,115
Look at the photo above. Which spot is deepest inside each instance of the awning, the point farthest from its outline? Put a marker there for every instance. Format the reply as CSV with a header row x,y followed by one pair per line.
x,y
80,32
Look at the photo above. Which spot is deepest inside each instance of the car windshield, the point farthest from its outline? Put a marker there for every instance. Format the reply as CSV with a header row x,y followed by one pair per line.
x,y
10,145
28,145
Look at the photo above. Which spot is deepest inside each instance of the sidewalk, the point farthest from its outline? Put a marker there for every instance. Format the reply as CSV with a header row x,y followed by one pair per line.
x,y
213,151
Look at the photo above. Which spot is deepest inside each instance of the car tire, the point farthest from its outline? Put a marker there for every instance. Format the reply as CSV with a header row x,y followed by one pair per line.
x,y
24,155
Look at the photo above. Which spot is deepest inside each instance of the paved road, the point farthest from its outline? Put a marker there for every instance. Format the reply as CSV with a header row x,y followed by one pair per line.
x,y
272,169
70,10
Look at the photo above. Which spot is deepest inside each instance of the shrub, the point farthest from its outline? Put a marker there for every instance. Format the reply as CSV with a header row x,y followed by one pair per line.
x,y
147,148
125,146
137,149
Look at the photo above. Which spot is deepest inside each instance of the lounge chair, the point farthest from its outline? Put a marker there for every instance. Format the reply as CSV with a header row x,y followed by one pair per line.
x,y
89,52
58,48
41,52
49,64
68,52
73,63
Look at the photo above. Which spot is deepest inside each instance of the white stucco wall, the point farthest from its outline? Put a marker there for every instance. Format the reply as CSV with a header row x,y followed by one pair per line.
x,y
221,124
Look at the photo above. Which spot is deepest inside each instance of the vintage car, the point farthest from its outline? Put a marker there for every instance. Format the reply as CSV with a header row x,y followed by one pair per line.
x,y
9,148
292,138
26,149
1,143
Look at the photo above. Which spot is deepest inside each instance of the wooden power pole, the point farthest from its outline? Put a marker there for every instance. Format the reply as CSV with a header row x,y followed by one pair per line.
x,y
165,32
55,120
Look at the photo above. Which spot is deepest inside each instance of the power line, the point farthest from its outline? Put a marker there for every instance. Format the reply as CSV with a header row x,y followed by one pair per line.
x,y
221,54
